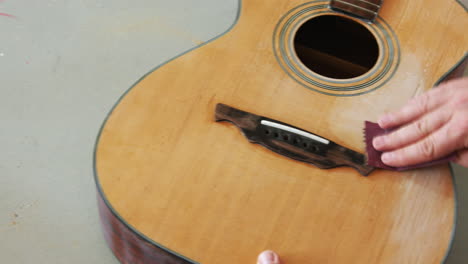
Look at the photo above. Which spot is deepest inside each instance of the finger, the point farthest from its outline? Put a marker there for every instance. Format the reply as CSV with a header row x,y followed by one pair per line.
x,y
413,131
434,146
415,108
268,257
462,158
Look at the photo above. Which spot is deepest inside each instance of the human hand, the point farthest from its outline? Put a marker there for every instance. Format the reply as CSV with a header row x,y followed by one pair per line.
x,y
430,126
268,257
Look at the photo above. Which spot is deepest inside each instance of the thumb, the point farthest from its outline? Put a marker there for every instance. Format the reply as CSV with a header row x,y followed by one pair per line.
x,y
268,257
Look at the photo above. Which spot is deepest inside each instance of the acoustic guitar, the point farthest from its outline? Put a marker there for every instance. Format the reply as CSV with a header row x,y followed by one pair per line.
x,y
295,80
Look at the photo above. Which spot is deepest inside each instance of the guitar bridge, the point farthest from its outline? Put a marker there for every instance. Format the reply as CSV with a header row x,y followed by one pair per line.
x,y
292,142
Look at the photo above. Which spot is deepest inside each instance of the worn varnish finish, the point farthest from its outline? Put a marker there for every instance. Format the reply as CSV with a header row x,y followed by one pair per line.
x,y
199,188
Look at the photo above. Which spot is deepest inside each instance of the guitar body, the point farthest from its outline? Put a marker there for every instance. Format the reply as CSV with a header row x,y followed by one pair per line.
x,y
177,187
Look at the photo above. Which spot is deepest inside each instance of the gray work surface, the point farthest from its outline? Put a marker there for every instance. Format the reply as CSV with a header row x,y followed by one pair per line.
x,y
63,65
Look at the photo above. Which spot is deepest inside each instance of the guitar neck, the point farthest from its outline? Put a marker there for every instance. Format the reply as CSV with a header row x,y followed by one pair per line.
x,y
367,9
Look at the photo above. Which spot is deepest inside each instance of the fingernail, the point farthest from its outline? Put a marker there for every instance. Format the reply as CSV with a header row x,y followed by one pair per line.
x,y
384,120
267,257
388,157
378,142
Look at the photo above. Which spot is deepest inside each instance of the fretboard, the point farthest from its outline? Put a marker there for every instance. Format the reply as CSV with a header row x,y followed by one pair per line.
x,y
367,9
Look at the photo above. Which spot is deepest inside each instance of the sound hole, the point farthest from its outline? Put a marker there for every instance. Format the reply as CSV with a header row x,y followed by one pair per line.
x,y
336,47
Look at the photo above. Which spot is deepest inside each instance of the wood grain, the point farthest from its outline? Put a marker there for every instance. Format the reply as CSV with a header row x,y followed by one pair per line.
x,y
200,189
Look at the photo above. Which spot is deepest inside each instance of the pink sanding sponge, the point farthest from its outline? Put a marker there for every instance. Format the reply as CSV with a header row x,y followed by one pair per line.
x,y
372,130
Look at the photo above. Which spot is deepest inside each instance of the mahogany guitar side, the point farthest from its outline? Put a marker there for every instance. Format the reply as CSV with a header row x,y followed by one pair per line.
x,y
176,187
